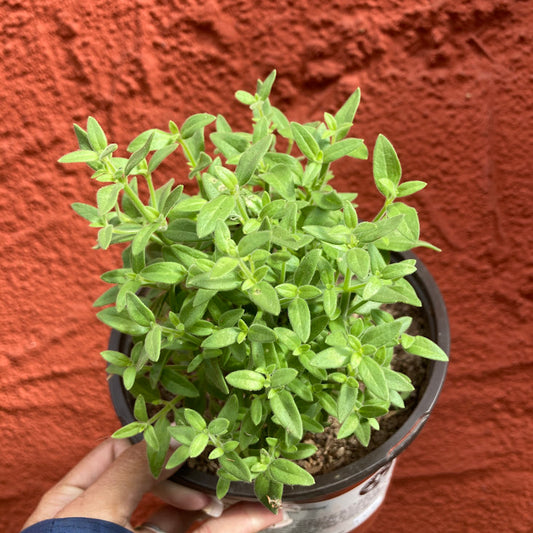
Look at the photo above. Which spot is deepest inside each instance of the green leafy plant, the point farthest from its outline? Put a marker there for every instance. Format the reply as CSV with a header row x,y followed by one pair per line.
x,y
255,306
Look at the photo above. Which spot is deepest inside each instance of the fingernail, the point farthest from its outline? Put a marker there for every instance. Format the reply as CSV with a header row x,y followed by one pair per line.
x,y
285,521
214,508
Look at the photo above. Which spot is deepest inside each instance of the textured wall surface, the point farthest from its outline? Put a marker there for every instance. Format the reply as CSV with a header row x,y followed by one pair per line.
x,y
449,82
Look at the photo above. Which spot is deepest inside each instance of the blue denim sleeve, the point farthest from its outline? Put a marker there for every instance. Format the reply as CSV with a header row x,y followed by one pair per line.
x,y
75,525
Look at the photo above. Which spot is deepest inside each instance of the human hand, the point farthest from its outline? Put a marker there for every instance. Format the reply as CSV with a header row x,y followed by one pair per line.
x,y
110,481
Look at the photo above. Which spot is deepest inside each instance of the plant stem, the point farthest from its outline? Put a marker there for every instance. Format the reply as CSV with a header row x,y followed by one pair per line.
x,y
165,409
245,269
187,152
153,196
137,202
382,211
242,209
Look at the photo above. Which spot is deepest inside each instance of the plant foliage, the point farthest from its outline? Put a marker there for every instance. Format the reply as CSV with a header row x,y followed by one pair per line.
x,y
254,304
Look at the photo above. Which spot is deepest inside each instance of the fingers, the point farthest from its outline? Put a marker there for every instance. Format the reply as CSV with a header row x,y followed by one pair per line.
x,y
114,495
243,517
94,464
171,520
77,480
181,497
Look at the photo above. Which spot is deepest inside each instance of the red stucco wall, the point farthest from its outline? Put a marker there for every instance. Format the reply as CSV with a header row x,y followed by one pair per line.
x,y
449,82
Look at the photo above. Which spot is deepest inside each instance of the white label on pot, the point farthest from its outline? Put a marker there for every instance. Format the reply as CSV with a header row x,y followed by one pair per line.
x,y
343,513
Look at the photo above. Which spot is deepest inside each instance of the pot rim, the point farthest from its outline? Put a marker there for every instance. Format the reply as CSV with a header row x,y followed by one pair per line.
x,y
352,474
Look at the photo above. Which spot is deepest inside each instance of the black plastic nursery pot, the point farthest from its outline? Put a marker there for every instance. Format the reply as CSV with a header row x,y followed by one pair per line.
x,y
342,500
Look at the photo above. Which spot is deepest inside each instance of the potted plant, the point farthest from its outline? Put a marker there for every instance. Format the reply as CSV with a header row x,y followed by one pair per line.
x,y
250,316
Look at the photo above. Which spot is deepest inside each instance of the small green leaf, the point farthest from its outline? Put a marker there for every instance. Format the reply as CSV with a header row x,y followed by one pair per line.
x,y
151,438
305,141
168,273
280,178
256,410
105,236
246,380
397,381
264,296
372,376
289,473
363,432
334,357
423,347
206,281
230,144
106,198
399,270
330,302
138,156
287,290
372,231
178,457
288,338
409,187
115,320
217,209
254,241
194,419
264,87
183,434
221,338
139,312
346,114
310,424
282,377
88,212
194,123
218,426
96,135
374,409
79,156
300,318
358,262
134,428
287,413
292,241
307,268
260,333
160,155
341,148
223,486
116,358
198,444
215,454
233,464
139,409
108,151
250,159
128,377
268,491
177,384
346,401
385,334
349,426
152,343
245,97
141,240
160,139
385,162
